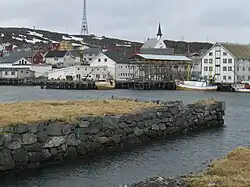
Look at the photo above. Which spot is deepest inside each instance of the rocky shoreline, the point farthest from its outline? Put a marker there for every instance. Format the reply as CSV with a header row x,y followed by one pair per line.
x,y
33,145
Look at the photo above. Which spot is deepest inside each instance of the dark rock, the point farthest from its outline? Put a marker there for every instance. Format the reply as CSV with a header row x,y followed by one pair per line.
x,y
6,160
55,141
12,141
55,129
35,156
53,151
20,129
71,139
71,152
42,136
20,156
29,138
84,124
67,129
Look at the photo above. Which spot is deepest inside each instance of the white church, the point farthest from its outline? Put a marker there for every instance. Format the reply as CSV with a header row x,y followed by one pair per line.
x,y
156,45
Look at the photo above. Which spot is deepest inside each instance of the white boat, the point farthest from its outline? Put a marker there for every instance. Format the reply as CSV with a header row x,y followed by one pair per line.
x,y
105,85
199,85
243,87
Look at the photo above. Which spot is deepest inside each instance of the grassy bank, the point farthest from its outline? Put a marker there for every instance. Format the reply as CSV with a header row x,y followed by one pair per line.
x,y
26,112
231,171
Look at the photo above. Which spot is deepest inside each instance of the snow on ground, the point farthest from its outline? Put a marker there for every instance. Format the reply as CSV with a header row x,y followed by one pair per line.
x,y
35,40
76,38
66,38
17,38
97,38
33,33
2,35
75,44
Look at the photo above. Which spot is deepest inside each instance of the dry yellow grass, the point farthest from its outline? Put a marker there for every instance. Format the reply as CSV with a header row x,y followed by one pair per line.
x,y
26,112
232,171
207,102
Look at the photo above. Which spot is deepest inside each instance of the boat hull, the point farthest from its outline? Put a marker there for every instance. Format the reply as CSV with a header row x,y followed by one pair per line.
x,y
242,90
104,86
196,88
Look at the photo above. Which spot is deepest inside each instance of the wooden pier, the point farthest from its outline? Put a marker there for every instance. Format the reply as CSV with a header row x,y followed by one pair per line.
x,y
88,85
70,85
146,85
20,82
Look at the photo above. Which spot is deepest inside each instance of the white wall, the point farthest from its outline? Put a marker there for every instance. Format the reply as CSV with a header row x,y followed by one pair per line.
x,y
54,61
103,60
41,70
79,72
125,71
160,44
22,61
226,62
242,70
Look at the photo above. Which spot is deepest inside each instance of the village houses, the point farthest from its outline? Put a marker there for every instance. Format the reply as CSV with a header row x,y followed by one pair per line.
x,y
227,63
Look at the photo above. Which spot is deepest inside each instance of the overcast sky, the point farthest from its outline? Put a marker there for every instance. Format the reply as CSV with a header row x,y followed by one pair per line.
x,y
192,20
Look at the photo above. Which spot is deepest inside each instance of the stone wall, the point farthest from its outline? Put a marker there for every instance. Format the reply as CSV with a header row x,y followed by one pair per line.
x,y
34,145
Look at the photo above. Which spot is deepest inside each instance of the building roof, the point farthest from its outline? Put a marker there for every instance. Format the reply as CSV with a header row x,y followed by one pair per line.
x,y
150,43
157,51
91,51
52,54
240,51
116,56
76,53
16,55
164,57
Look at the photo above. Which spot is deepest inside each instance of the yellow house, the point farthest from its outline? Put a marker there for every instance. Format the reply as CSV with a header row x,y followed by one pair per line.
x,y
65,46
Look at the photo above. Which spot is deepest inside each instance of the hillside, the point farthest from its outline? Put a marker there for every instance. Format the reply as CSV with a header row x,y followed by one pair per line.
x,y
26,37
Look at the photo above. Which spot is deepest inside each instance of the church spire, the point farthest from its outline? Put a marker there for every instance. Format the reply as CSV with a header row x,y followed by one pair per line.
x,y
159,34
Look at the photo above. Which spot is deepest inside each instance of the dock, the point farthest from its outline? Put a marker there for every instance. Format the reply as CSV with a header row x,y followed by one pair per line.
x,y
20,82
90,85
68,85
146,85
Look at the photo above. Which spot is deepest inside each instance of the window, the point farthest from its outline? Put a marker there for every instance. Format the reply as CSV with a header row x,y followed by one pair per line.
x,y
243,68
210,68
224,53
99,60
224,68
6,73
90,59
210,61
205,61
224,61
55,58
224,77
105,60
120,66
243,77
210,54
205,68
229,78
230,68
85,68
97,76
248,68
27,72
85,59
238,68
13,73
248,77
97,69
78,68
230,61
22,71
104,76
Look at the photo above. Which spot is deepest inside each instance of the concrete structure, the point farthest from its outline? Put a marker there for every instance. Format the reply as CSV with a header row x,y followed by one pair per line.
x,y
227,63
80,73
112,60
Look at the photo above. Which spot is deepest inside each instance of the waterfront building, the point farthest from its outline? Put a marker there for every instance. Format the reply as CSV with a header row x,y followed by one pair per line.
x,y
227,63
81,72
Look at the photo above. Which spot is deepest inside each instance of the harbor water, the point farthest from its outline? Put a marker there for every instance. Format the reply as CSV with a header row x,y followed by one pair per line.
x,y
168,158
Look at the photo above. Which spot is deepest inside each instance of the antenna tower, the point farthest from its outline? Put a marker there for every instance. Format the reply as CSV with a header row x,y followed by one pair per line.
x,y
84,26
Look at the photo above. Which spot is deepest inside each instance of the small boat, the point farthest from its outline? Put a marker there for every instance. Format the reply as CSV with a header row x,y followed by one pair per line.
x,y
243,87
105,85
196,85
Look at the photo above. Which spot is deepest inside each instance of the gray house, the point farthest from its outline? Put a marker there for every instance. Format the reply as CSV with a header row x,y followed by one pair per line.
x,y
89,54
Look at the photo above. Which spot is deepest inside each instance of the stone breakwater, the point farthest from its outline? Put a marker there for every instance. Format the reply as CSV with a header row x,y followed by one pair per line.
x,y
41,143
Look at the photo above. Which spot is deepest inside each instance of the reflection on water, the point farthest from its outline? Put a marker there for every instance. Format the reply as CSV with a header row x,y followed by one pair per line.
x,y
168,157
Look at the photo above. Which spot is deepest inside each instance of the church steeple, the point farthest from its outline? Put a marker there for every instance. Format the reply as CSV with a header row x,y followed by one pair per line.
x,y
159,34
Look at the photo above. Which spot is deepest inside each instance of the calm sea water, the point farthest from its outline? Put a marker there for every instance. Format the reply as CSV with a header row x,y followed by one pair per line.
x,y
167,158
